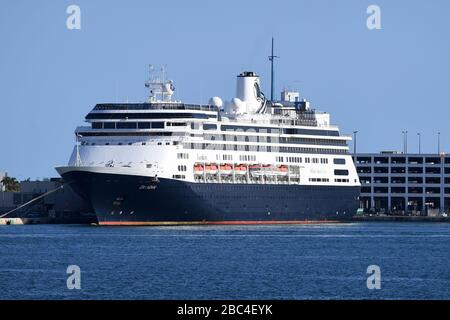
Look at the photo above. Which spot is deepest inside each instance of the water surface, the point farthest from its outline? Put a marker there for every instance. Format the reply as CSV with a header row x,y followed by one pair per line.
x,y
226,262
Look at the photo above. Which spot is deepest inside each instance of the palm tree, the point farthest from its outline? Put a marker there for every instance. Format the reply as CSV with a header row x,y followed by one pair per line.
x,y
11,184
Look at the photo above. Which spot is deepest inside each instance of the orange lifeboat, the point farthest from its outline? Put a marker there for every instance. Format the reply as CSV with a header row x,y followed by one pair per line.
x,y
211,168
198,169
240,169
255,167
282,170
226,169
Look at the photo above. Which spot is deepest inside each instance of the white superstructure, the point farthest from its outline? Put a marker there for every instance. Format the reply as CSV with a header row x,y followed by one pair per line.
x,y
246,140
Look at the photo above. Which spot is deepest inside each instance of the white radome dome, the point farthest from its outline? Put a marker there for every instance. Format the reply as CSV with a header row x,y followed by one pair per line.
x,y
216,101
238,106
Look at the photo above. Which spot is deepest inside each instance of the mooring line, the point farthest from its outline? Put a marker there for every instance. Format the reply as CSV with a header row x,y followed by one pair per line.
x,y
33,200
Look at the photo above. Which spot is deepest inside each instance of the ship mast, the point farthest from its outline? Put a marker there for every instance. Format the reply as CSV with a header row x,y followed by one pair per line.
x,y
271,58
161,90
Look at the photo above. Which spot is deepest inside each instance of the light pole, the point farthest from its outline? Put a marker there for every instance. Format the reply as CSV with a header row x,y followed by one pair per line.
x,y
439,142
418,134
405,141
354,142
406,147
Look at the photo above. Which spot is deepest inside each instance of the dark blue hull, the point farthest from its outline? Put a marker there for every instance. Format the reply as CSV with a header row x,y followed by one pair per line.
x,y
125,199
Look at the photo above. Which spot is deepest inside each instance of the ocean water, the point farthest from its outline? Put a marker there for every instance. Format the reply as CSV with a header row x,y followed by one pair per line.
x,y
226,262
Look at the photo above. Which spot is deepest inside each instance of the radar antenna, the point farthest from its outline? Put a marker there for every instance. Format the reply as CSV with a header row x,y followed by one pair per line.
x,y
161,90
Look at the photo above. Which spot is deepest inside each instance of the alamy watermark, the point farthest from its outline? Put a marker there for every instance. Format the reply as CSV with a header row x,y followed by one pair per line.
x,y
373,21
73,21
74,280
374,280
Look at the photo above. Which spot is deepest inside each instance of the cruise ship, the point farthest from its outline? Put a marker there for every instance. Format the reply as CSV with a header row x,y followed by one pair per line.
x,y
249,160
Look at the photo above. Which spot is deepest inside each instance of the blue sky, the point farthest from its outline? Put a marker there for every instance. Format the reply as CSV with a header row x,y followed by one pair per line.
x,y
379,82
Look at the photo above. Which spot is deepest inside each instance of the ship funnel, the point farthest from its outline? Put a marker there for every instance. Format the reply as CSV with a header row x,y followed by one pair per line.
x,y
249,92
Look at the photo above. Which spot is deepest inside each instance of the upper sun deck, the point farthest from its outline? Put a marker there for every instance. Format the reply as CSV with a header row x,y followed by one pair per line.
x,y
280,116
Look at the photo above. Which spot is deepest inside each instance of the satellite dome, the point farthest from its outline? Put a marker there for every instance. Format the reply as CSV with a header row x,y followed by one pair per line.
x,y
216,101
238,106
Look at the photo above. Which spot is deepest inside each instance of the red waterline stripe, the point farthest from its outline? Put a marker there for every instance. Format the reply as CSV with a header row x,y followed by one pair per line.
x,y
176,223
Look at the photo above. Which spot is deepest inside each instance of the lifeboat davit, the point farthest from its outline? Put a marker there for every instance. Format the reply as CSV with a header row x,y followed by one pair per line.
x,y
256,170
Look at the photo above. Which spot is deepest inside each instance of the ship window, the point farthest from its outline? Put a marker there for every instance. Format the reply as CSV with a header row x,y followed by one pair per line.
x,y
339,161
157,125
109,125
209,126
97,125
341,172
144,125
126,125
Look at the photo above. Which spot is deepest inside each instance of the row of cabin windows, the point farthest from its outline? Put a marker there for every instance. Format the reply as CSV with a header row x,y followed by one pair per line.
x,y
182,168
265,139
315,160
225,157
319,180
207,126
154,106
148,115
182,155
128,125
277,130
176,124
312,141
246,157
341,180
237,128
210,146
307,160
167,143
